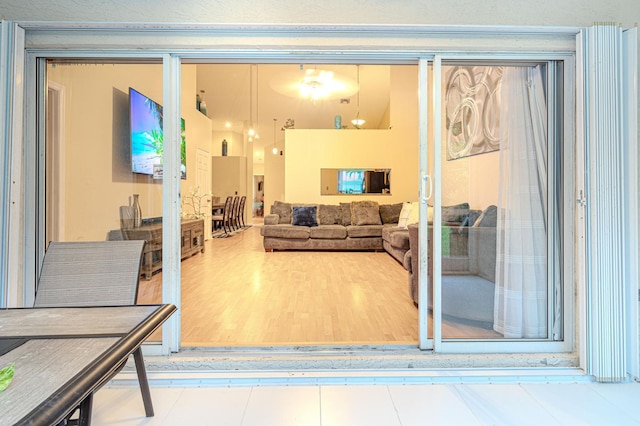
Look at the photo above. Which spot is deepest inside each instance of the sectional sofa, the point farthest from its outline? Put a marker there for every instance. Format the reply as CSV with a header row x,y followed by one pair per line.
x,y
358,225
468,246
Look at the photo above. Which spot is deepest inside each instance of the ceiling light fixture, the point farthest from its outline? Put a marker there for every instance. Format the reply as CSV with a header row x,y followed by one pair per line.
x,y
318,84
358,122
275,149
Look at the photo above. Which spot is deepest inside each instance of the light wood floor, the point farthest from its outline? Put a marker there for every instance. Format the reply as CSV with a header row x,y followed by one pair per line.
x,y
235,294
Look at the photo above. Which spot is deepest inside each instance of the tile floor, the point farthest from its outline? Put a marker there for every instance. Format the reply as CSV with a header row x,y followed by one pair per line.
x,y
371,405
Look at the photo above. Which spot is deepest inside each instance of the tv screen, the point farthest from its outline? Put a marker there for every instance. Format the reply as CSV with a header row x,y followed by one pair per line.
x,y
145,117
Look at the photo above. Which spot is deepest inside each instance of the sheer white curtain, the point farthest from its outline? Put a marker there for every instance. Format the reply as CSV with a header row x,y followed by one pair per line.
x,y
521,268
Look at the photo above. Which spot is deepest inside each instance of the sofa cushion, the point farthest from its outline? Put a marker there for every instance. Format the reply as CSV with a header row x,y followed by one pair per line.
x,y
346,213
455,213
328,232
362,231
305,216
285,231
390,213
329,214
365,213
283,210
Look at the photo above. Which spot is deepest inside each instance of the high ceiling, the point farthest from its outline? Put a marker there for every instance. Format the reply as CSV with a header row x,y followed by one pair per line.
x,y
241,93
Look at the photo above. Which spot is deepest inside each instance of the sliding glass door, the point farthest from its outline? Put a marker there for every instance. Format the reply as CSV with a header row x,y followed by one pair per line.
x,y
495,213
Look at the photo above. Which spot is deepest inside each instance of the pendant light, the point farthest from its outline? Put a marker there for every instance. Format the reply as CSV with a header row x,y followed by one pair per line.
x,y
251,132
257,136
275,149
357,122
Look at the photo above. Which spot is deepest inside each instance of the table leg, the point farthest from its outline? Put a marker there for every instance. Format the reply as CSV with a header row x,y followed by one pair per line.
x,y
144,383
85,411
148,267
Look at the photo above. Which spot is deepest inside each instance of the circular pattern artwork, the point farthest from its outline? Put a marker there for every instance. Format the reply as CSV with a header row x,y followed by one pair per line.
x,y
472,110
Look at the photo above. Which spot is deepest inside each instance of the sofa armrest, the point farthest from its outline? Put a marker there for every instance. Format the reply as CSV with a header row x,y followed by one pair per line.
x,y
271,219
406,261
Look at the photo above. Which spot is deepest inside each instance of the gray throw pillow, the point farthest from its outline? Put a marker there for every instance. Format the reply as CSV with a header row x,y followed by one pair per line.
x,y
346,213
283,210
305,216
455,213
329,214
390,213
365,213
488,218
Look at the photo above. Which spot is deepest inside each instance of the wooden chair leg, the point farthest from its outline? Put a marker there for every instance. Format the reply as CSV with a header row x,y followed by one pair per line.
x,y
144,383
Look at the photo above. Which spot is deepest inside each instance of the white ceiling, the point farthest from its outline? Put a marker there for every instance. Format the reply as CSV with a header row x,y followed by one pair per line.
x,y
227,94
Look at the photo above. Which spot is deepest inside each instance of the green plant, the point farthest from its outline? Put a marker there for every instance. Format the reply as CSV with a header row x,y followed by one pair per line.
x,y
6,376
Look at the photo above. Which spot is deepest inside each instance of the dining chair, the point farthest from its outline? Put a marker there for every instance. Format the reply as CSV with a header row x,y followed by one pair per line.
x,y
94,273
222,220
243,200
234,214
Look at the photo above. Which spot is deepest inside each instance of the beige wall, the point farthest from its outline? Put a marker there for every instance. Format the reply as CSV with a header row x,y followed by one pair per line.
x,y
471,179
274,179
97,163
308,151
235,143
229,176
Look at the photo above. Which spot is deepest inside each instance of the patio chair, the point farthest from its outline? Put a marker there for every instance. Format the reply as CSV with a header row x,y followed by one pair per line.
x,y
101,273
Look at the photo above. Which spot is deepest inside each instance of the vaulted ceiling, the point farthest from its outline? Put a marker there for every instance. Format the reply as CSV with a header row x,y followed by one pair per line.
x,y
242,93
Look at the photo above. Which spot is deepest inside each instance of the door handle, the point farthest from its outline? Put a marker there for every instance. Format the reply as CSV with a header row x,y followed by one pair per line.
x,y
427,188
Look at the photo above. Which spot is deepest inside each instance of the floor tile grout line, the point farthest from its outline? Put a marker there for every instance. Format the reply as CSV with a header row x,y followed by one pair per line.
x,y
538,402
319,405
463,398
393,402
246,406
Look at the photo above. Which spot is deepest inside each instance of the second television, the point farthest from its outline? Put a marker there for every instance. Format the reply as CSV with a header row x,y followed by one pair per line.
x,y
147,139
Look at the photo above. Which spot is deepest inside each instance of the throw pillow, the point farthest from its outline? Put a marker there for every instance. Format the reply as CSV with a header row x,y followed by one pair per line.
x,y
329,214
390,213
405,213
414,216
455,213
283,210
365,213
305,216
346,213
488,218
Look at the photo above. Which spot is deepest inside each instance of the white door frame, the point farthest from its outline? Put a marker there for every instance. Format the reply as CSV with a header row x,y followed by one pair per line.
x,y
382,43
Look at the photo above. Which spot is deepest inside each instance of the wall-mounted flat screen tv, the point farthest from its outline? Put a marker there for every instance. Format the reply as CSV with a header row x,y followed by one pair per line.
x,y
147,141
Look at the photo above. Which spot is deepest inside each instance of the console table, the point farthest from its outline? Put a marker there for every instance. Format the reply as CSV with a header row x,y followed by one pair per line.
x,y
192,231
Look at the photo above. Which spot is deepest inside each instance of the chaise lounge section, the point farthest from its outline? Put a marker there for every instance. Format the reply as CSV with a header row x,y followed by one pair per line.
x,y
468,272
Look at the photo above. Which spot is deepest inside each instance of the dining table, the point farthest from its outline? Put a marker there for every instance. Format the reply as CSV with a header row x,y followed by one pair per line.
x,y
61,356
